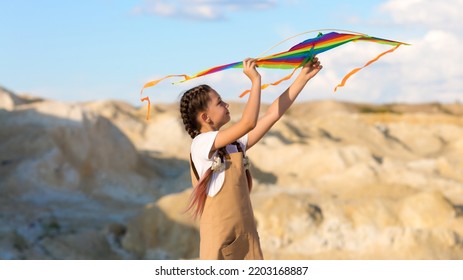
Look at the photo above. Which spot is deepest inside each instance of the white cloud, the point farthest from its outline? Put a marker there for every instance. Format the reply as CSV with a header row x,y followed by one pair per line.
x,y
199,9
429,13
430,69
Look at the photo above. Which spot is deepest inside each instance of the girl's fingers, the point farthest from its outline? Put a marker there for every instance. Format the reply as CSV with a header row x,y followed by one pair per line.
x,y
253,63
249,63
315,63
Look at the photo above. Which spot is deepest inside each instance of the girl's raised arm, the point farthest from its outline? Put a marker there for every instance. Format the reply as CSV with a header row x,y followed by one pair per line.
x,y
250,115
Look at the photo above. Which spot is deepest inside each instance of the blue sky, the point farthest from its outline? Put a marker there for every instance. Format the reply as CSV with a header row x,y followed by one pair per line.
x,y
107,49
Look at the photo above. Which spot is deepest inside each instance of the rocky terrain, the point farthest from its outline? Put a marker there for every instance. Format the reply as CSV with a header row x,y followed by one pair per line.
x,y
332,181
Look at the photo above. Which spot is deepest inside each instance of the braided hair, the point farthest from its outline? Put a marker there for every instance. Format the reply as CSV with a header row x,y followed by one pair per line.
x,y
192,102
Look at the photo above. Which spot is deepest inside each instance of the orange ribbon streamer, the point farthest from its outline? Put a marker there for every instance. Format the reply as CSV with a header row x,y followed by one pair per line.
x,y
343,82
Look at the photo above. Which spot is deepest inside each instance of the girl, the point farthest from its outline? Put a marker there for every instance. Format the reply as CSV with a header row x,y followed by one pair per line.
x,y
219,166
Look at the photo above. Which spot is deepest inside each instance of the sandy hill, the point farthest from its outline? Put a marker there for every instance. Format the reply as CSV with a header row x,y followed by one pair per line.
x,y
332,181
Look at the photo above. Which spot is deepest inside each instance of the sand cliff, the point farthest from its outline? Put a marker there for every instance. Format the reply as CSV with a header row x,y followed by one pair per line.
x,y
332,181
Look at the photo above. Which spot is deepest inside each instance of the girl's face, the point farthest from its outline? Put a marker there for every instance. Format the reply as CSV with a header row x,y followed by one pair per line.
x,y
217,111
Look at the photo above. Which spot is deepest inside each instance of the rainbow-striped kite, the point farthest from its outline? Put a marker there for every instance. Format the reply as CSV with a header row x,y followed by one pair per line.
x,y
294,58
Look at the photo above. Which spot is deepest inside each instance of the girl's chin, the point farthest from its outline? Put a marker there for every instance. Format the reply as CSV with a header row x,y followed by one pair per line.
x,y
227,120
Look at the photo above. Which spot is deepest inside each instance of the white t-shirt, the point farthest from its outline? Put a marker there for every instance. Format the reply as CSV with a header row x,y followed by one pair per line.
x,y
200,149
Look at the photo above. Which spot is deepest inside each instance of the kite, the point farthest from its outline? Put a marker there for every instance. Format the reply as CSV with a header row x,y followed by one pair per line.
x,y
293,58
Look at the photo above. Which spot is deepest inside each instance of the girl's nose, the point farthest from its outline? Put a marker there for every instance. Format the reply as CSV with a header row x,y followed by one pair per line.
x,y
226,105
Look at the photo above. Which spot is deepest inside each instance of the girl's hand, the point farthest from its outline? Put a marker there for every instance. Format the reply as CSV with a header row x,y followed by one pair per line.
x,y
249,69
311,69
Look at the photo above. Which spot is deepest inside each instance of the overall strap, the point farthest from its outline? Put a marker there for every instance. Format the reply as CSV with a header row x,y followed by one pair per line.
x,y
246,164
238,147
223,154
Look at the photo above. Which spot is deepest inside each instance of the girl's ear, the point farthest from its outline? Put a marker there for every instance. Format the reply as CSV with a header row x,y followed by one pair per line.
x,y
203,117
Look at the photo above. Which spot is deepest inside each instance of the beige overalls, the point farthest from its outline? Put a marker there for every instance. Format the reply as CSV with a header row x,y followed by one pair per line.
x,y
227,226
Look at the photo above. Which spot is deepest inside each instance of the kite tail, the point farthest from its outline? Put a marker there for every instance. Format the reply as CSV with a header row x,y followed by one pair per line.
x,y
147,99
153,83
360,68
264,86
